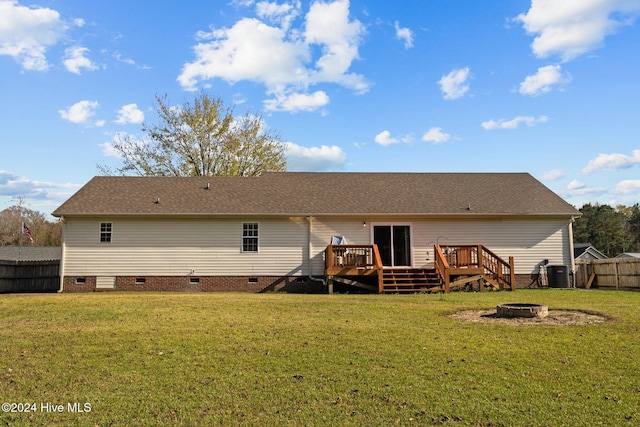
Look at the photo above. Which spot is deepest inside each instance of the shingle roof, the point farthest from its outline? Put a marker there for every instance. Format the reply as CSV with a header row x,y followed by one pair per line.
x,y
310,193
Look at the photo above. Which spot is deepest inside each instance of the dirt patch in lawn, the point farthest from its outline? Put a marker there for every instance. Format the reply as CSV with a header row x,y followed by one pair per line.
x,y
555,317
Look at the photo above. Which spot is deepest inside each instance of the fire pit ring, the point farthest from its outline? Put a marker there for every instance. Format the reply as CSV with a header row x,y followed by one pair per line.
x,y
521,310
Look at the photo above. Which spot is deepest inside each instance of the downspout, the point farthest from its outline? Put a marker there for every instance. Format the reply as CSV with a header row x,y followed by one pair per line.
x,y
309,262
62,254
573,261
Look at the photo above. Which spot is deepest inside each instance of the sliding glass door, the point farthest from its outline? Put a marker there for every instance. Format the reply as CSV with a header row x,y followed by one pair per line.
x,y
394,244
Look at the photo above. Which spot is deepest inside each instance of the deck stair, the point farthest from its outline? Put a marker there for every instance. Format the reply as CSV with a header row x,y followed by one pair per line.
x,y
410,280
456,267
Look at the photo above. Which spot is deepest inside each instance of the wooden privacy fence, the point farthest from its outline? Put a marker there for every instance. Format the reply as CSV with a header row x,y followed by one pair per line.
x,y
29,276
612,273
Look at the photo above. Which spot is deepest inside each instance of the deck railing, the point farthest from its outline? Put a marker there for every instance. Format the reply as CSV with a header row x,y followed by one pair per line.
x,y
458,260
352,256
354,260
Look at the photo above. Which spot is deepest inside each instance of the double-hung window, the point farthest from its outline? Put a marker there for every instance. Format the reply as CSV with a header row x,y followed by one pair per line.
x,y
250,237
106,228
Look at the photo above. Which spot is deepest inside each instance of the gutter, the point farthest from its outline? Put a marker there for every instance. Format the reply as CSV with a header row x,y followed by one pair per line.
x,y
571,251
310,248
62,254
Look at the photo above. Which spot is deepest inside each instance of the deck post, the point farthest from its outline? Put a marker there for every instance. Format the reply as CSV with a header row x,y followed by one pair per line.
x,y
328,257
512,274
446,281
330,284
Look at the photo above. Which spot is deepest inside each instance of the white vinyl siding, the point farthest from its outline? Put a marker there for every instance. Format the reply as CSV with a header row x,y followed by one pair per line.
x,y
154,247
175,247
529,241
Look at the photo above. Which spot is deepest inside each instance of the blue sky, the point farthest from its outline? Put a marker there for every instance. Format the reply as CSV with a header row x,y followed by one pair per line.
x,y
541,86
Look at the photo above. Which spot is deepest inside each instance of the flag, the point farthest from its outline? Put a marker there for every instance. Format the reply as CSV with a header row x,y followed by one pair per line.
x,y
25,231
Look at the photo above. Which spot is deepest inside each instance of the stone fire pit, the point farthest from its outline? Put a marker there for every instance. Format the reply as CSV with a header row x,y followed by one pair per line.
x,y
512,310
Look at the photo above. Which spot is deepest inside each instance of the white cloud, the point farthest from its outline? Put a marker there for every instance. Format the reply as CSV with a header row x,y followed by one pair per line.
x,y
27,32
242,3
12,185
543,80
281,14
628,186
513,123
612,162
283,59
250,50
108,148
314,158
384,138
130,114
328,25
80,112
404,34
553,175
75,60
577,188
297,102
436,135
455,84
572,28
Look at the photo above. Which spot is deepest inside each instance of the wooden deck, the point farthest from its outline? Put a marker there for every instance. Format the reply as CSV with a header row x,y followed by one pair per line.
x,y
457,267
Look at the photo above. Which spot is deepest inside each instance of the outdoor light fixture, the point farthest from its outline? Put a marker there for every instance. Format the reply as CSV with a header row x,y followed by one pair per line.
x,y
364,223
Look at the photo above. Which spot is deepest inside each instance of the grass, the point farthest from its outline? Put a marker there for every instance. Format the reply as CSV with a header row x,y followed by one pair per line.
x,y
315,360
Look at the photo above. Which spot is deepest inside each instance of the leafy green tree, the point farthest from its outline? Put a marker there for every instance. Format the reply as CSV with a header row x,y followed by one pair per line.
x,y
632,234
200,138
603,227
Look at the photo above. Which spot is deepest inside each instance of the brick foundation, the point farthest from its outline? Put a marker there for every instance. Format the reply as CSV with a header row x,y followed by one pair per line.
x,y
198,284
70,284
222,284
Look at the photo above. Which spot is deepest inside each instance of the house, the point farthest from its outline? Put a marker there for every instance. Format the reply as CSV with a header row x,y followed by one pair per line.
x,y
628,255
273,232
585,251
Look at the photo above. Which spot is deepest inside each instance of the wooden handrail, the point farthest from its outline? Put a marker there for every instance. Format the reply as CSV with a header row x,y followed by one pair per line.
x,y
377,261
442,266
473,257
501,269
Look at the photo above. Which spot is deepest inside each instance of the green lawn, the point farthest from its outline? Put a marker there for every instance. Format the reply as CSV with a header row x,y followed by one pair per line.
x,y
139,359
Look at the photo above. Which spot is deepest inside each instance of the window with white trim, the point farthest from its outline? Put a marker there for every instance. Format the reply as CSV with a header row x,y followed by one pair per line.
x,y
106,228
249,237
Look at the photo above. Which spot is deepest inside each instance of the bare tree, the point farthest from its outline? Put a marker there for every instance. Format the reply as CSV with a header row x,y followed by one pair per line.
x,y
44,232
201,138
